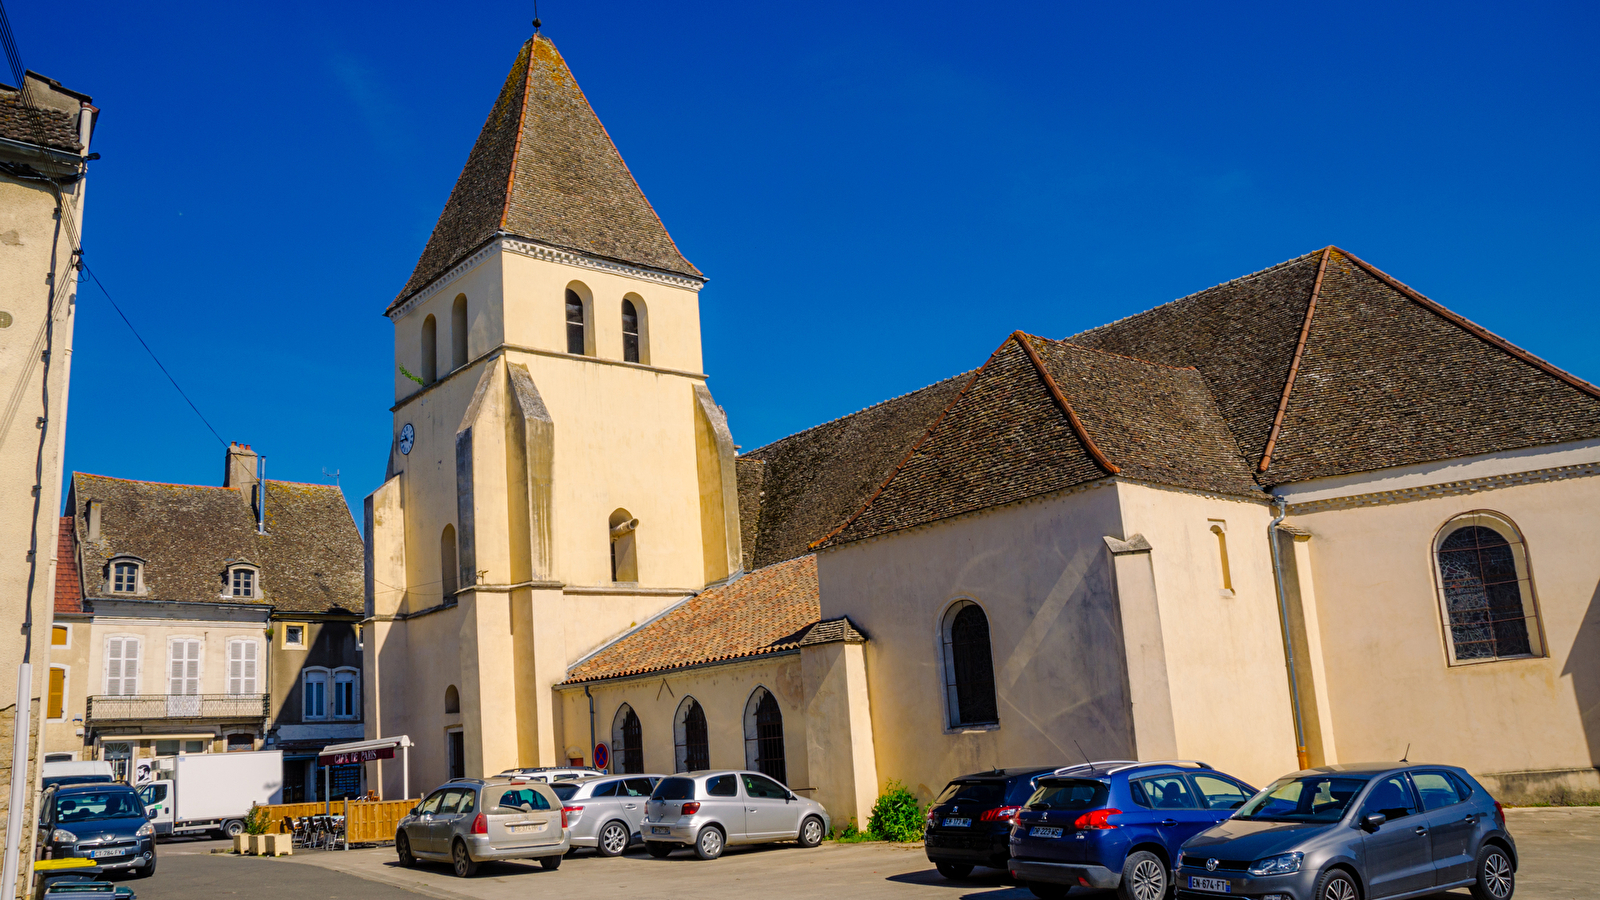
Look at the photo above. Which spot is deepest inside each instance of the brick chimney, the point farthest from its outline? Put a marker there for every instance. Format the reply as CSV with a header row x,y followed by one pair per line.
x,y
240,473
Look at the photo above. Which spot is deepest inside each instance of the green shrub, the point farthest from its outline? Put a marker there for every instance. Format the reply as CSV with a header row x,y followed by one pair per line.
x,y
896,816
256,821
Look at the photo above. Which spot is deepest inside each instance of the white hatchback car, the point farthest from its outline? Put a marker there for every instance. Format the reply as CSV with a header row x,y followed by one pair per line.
x,y
711,810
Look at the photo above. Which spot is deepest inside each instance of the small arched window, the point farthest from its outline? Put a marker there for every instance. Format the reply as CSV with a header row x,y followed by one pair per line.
x,y
242,583
430,350
627,743
763,735
630,331
1486,589
452,700
624,546
968,666
692,745
576,339
458,333
449,576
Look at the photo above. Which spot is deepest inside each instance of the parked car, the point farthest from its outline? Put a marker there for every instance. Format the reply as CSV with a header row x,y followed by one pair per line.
x,y
711,810
605,812
103,822
75,771
1118,825
469,821
969,823
1344,832
551,774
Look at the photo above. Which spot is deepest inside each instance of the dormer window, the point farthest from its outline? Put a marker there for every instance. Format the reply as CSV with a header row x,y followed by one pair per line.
x,y
242,583
127,576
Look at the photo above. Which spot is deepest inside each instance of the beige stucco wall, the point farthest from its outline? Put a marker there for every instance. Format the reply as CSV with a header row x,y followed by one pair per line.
x,y
1383,637
63,735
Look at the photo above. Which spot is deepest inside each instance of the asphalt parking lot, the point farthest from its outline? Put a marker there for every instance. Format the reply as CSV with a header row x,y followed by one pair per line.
x,y
1560,850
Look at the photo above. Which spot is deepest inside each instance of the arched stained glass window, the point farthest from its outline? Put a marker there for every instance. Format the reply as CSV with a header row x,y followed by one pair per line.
x,y
693,745
763,735
968,666
1486,589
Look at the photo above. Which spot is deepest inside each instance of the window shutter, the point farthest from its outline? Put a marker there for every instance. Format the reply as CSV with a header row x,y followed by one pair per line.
x,y
248,668
235,667
58,689
130,666
114,666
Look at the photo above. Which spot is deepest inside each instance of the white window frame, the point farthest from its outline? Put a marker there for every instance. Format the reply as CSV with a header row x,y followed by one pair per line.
x,y
255,582
138,575
66,693
323,677
138,664
254,680
354,675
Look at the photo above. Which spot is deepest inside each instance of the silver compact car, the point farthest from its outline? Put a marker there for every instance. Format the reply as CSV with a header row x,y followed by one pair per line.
x,y
711,810
1356,832
605,812
469,821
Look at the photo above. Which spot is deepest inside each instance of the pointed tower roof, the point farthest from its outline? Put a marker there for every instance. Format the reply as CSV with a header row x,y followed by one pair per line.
x,y
545,169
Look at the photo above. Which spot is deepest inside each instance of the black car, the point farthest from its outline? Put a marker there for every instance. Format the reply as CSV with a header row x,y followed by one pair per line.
x,y
969,823
103,822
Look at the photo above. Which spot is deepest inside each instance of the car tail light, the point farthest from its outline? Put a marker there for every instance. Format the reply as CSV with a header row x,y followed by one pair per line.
x,y
573,811
691,808
1003,814
932,817
1096,819
564,825
480,825
1500,814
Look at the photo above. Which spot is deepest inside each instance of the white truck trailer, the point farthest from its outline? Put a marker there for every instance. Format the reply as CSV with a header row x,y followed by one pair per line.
x,y
213,791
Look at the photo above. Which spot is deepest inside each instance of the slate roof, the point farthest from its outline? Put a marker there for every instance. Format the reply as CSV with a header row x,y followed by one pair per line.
x,y
1340,368
311,558
766,611
69,593
544,168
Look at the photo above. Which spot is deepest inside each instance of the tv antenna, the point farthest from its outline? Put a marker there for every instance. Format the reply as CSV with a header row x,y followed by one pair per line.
x,y
334,475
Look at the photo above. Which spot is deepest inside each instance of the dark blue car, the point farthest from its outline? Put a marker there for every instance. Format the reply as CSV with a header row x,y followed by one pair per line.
x,y
1117,825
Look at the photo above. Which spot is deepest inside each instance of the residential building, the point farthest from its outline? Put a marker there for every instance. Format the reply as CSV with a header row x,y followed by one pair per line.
x,y
44,152
201,622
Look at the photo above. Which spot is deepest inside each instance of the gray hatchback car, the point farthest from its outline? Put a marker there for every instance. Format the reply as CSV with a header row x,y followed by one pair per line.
x,y
469,821
1375,831
605,812
711,810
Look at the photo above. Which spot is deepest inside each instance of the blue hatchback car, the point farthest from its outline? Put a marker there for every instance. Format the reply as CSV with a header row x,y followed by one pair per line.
x,y
1117,825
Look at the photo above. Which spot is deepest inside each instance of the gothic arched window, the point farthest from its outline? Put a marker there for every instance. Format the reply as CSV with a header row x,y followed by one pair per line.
x,y
763,735
630,331
458,333
430,350
576,339
968,666
1486,590
627,743
449,575
691,743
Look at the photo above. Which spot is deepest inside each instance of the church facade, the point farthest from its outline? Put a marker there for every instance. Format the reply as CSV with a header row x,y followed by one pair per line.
x,y
1303,517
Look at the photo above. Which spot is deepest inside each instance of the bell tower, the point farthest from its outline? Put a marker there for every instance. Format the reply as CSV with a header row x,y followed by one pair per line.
x,y
559,471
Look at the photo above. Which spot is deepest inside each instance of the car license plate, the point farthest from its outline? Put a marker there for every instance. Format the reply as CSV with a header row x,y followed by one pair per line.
x,y
1220,885
957,823
112,851
1044,831
523,828
657,829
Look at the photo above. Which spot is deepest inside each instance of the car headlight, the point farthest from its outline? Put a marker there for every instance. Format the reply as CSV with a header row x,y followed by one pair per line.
x,y
1285,864
145,830
63,836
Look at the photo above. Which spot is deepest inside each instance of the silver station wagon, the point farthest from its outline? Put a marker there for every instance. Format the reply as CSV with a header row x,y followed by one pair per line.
x,y
711,810
605,813
469,821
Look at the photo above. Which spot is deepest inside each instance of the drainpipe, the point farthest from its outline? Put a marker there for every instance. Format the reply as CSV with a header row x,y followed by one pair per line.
x,y
1303,757
591,723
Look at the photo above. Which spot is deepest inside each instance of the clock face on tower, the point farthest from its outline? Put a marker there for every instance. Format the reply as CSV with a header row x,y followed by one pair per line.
x,y
408,436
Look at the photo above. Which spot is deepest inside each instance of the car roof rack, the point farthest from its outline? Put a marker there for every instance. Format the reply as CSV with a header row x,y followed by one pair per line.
x,y
1093,765
1193,763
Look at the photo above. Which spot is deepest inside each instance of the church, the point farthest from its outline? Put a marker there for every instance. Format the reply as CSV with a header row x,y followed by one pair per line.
x,y
1306,516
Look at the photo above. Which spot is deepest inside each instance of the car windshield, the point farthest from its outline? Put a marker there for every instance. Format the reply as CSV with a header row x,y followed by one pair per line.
x,y
977,793
1309,798
1069,793
674,789
565,790
94,807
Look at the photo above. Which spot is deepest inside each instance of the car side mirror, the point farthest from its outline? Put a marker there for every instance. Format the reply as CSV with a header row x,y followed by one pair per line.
x,y
1372,822
415,810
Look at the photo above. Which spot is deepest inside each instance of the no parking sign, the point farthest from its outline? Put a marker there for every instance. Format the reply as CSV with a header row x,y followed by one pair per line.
x,y
602,756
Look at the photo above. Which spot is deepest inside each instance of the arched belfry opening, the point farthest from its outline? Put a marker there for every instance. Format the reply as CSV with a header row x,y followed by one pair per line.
x,y
624,546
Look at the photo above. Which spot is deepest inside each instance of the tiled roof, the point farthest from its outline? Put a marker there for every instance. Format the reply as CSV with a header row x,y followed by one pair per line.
x,y
765,611
69,594
311,557
544,168
799,488
1044,415
1341,369
43,127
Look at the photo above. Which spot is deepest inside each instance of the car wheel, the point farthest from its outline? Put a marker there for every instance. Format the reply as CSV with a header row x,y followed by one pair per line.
x,y
708,844
232,828
1049,891
613,839
402,849
1496,879
811,832
147,871
1144,877
466,866
657,849
1337,884
953,871
550,862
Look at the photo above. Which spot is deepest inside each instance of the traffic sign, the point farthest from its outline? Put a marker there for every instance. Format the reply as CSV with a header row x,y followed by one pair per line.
x,y
602,756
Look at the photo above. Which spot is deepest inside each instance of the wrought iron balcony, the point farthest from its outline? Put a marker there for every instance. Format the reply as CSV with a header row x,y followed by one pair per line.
x,y
131,707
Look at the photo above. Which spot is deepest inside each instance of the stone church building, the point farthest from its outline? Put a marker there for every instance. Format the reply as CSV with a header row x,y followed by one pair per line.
x,y
1306,516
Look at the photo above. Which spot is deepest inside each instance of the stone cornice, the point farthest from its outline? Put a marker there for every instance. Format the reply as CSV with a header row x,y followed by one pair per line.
x,y
1446,489
546,253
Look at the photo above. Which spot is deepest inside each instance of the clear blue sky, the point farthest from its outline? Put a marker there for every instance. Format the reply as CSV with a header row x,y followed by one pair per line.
x,y
879,192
